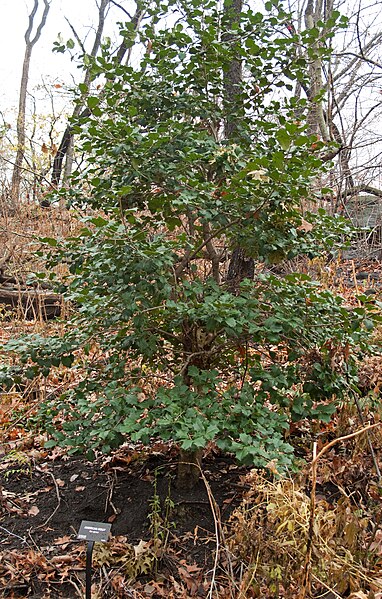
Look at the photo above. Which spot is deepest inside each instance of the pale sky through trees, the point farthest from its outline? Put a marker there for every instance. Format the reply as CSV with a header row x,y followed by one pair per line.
x,y
51,67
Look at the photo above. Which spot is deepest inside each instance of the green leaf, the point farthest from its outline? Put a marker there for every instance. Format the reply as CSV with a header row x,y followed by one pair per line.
x,y
231,322
99,221
283,138
188,444
92,102
67,360
49,240
83,88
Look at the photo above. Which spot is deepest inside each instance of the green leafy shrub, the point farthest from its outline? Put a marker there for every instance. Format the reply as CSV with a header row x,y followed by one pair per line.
x,y
186,355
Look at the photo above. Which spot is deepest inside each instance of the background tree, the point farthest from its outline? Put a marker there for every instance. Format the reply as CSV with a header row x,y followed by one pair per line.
x,y
241,265
29,44
354,82
349,87
65,147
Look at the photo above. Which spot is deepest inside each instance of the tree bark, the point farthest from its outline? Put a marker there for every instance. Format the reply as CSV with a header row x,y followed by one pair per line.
x,y
197,347
62,150
188,469
316,117
29,44
234,75
241,266
32,304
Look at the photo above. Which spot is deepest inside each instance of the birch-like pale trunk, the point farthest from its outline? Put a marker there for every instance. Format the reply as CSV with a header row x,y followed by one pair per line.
x,y
21,136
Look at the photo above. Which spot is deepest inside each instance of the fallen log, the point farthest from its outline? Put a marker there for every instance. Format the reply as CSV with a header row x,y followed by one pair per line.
x,y
8,281
32,304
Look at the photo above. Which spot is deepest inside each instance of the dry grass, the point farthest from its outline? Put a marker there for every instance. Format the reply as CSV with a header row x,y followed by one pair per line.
x,y
269,538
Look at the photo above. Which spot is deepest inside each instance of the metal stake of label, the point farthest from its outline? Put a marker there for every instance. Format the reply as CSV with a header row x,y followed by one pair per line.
x,y
89,555
91,532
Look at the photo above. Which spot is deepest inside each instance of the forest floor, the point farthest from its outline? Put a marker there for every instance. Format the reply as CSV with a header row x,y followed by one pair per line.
x,y
169,543
44,500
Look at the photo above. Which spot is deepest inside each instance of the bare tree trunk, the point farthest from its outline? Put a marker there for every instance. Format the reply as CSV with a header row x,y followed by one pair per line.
x,y
16,176
316,117
240,266
197,346
62,151
234,76
189,466
66,147
68,162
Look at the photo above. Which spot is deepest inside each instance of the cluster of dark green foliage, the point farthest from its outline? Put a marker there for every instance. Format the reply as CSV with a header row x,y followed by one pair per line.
x,y
166,346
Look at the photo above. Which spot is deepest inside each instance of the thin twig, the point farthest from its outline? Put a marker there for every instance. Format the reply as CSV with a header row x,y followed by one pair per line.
x,y
189,256
344,438
12,534
58,497
219,533
9,232
76,35
121,7
328,588
109,495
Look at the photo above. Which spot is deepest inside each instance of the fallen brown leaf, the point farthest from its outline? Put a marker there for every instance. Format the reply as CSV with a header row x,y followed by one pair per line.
x,y
33,511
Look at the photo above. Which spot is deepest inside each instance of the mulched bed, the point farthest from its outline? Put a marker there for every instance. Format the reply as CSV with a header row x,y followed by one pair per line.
x,y
44,503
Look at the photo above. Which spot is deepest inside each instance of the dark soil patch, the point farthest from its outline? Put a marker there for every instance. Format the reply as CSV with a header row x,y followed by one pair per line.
x,y
43,504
